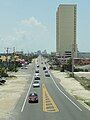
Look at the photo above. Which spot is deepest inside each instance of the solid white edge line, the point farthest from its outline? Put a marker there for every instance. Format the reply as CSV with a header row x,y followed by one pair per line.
x,y
63,92
27,95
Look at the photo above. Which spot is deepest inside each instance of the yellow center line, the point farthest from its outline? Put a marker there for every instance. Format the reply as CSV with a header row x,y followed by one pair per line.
x,y
48,103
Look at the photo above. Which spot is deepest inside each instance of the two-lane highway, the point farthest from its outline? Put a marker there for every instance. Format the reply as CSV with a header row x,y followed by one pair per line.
x,y
54,102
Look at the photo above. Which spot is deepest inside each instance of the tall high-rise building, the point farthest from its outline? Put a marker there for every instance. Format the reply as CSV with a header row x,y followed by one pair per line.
x,y
66,29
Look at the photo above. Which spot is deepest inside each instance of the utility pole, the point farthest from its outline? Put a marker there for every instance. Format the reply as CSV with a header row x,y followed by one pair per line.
x,y
14,58
7,49
14,50
13,53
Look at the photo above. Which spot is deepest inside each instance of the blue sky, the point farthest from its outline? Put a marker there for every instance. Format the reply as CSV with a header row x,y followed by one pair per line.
x,y
30,25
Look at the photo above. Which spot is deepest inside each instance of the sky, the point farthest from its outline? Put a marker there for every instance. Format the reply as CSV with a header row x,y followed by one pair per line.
x,y
30,25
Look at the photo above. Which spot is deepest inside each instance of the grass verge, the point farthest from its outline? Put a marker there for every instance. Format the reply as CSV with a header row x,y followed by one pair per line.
x,y
88,103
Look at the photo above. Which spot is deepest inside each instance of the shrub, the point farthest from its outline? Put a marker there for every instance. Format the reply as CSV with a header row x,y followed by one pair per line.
x,y
86,70
4,75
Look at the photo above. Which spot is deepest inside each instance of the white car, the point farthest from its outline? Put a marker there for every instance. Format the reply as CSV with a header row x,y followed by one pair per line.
x,y
37,66
37,71
47,74
36,84
36,74
24,67
37,77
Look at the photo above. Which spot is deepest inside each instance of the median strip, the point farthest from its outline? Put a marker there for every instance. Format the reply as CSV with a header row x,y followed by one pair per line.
x,y
48,103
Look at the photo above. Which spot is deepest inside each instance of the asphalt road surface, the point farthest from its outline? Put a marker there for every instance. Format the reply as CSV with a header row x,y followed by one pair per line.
x,y
54,102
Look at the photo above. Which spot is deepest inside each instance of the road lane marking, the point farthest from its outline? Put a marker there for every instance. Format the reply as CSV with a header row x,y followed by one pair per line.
x,y
27,95
63,92
48,103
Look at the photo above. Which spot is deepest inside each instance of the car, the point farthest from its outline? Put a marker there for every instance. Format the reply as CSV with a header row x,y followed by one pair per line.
x,y
44,68
33,97
46,71
37,66
37,74
24,67
47,74
2,80
37,77
37,71
36,84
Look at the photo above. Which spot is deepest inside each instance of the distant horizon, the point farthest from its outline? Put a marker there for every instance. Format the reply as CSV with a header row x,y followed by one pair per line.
x,y
37,51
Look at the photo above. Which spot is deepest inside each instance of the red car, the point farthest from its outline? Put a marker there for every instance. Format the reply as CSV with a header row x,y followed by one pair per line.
x,y
33,98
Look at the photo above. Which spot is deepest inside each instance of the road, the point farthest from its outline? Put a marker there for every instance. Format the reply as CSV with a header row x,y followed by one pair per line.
x,y
54,102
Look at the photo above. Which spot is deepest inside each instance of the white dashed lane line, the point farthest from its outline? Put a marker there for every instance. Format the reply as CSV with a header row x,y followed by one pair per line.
x,y
27,95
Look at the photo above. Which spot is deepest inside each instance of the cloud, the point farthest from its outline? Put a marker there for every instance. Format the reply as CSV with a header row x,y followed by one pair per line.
x,y
20,32
34,23
23,34
30,34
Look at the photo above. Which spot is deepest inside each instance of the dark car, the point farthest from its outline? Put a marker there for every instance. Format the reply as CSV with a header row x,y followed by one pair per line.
x,y
2,80
33,98
46,71
44,68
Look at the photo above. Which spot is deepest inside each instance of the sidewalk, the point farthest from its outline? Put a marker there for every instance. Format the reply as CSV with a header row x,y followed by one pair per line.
x,y
73,87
